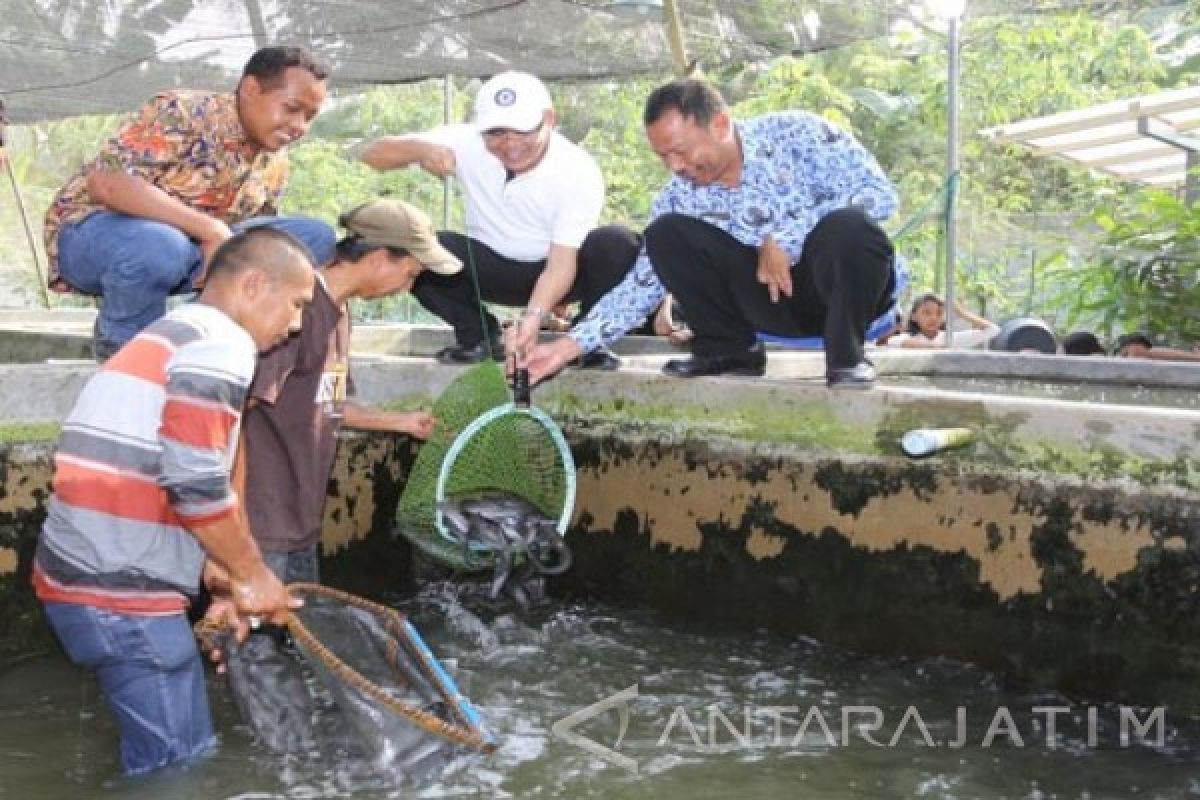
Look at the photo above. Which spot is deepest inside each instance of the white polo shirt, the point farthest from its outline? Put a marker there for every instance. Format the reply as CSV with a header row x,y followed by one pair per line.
x,y
557,202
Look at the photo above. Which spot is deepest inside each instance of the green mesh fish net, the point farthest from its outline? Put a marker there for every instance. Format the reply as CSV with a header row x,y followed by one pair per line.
x,y
486,446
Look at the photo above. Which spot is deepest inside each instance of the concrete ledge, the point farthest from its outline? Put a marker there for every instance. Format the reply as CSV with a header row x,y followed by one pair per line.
x,y
1155,445
67,335
1067,437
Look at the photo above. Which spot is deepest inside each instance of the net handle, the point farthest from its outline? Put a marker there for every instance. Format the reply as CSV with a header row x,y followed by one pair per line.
x,y
479,423
522,391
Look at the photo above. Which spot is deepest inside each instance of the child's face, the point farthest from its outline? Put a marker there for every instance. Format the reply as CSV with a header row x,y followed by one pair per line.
x,y
929,317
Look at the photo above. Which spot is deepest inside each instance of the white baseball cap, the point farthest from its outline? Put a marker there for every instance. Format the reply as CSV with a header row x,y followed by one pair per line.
x,y
511,100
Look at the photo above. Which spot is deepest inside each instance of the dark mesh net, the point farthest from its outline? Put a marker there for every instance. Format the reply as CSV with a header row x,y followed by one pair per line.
x,y
353,677
62,58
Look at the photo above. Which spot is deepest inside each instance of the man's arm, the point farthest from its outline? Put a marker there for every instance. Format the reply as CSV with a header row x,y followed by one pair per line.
x,y
626,306
397,152
621,310
200,414
255,589
158,138
129,194
556,280
419,424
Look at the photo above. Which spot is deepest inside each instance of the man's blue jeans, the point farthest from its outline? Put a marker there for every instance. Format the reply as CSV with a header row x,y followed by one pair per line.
x,y
152,676
136,263
298,566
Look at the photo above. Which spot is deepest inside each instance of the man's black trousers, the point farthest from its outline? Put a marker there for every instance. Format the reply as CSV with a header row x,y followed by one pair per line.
x,y
841,283
604,257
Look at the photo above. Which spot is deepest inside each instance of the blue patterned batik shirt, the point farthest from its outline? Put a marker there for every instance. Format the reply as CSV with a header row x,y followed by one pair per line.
x,y
797,168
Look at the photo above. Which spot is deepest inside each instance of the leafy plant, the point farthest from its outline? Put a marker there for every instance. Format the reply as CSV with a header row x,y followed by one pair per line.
x,y
1146,277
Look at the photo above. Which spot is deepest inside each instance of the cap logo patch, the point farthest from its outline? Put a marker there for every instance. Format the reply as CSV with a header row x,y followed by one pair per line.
x,y
505,97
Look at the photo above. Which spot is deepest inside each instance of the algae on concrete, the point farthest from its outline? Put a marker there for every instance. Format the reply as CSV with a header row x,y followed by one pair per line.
x,y
999,446
815,425
18,432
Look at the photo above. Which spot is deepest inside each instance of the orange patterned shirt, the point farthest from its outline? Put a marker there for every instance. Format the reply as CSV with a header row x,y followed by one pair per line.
x,y
191,145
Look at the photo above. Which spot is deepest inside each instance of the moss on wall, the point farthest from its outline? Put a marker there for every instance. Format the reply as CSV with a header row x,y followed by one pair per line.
x,y
1000,444
17,432
1090,588
1007,553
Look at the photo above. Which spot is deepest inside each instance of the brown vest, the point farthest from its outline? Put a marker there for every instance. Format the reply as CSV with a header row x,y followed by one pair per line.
x,y
291,433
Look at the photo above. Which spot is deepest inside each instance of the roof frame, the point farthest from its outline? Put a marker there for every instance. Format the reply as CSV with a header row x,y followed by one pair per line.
x,y
1143,139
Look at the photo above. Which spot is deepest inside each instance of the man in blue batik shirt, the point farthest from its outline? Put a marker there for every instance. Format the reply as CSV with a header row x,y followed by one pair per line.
x,y
769,226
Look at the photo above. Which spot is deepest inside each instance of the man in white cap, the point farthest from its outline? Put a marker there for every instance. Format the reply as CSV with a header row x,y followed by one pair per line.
x,y
533,200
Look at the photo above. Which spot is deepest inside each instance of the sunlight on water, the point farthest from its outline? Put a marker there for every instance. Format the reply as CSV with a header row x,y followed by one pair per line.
x,y
714,716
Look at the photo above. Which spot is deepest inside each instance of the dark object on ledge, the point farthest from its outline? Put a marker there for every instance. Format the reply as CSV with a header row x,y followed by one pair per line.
x,y
1025,334
1082,343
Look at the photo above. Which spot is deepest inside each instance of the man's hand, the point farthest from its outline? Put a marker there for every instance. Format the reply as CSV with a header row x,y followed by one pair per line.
x,y
215,578
665,324
546,360
261,595
419,424
775,269
523,336
212,237
222,615
438,160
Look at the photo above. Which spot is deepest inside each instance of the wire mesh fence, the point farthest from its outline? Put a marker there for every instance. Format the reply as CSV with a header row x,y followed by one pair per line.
x,y
60,60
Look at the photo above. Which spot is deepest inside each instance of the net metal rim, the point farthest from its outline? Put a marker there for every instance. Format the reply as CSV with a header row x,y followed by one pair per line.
x,y
468,731
479,423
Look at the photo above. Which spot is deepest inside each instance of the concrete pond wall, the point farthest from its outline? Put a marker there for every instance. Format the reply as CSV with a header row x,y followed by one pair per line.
x,y
1060,548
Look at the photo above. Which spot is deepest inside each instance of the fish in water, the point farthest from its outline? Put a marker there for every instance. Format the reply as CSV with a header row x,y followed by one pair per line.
x,y
514,532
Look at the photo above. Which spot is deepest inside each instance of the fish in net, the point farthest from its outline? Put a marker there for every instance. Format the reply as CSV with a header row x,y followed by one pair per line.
x,y
511,535
494,487
349,674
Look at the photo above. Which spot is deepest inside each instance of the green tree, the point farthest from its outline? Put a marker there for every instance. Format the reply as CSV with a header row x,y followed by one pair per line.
x,y
1146,276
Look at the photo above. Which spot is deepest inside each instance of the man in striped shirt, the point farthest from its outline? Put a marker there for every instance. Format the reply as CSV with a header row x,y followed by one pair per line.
x,y
143,507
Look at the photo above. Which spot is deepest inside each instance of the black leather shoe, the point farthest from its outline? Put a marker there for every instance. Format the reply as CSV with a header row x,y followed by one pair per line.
x,y
462,354
860,376
601,358
752,362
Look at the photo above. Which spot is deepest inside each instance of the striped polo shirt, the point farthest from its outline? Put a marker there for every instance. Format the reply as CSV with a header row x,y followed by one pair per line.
x,y
146,452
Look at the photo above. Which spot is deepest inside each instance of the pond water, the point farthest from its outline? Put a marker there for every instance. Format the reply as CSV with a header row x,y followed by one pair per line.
x,y
715,715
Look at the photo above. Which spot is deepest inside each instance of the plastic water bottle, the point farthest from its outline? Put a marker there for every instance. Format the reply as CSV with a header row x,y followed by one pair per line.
x,y
927,441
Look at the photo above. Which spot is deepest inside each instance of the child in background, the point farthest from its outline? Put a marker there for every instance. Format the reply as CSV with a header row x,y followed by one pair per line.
x,y
927,322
